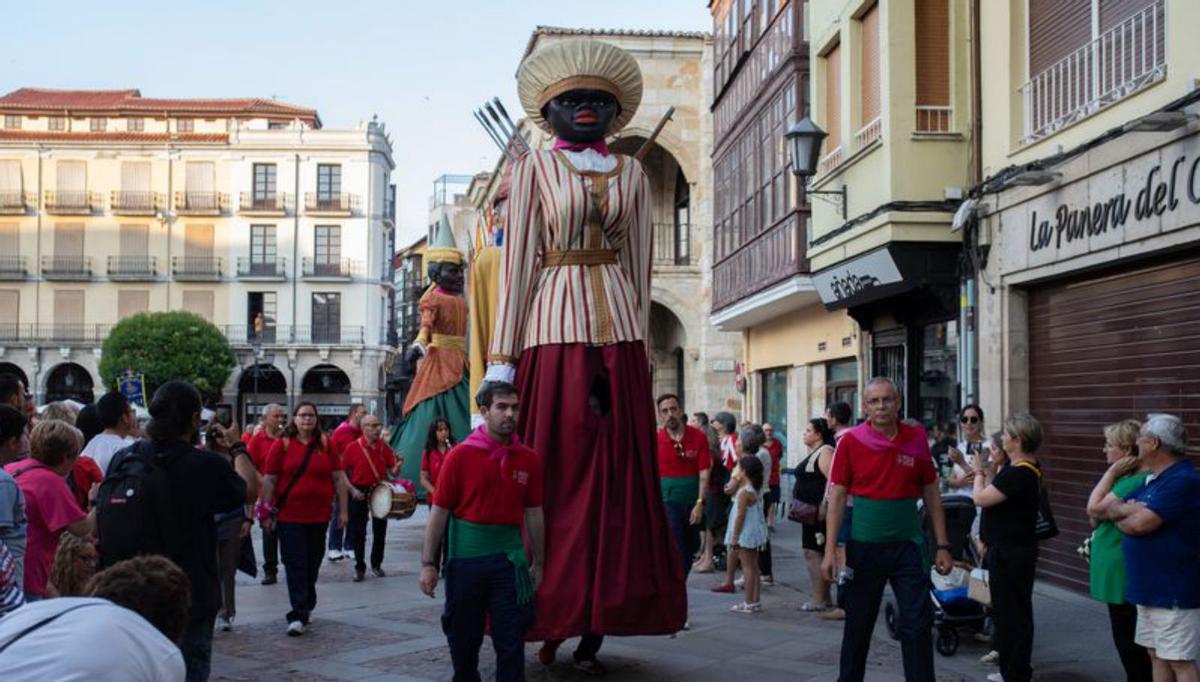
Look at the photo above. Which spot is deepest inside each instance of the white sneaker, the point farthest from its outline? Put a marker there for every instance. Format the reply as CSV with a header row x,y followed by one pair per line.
x,y
224,624
739,583
768,581
295,628
990,658
995,677
335,555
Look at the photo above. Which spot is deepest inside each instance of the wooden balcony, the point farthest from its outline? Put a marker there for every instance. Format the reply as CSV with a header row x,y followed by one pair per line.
x,y
125,202
767,259
70,202
332,205
13,202
266,205
201,203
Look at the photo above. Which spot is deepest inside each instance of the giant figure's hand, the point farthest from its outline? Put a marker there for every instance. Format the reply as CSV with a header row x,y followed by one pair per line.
x,y
414,354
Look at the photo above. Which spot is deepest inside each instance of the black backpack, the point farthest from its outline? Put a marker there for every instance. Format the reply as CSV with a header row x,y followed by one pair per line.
x,y
134,514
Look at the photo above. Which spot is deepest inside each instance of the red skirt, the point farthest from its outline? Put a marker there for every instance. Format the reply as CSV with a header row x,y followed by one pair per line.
x,y
611,564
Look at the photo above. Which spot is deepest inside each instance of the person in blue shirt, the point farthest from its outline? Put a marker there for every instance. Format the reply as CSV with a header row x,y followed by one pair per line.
x,y
1161,523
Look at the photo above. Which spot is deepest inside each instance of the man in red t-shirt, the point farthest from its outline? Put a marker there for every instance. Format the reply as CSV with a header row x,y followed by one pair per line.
x,y
346,433
684,461
369,461
489,486
886,465
274,418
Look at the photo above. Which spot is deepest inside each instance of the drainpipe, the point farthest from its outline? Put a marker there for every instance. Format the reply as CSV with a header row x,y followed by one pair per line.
x,y
36,389
295,270
170,203
968,355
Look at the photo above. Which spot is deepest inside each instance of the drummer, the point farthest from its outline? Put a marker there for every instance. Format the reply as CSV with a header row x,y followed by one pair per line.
x,y
369,461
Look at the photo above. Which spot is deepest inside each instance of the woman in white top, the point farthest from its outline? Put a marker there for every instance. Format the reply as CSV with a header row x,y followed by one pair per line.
x,y
970,420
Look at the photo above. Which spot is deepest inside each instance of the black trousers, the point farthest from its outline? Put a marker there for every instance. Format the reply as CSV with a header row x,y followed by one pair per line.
x,y
1010,577
482,587
876,564
303,548
1135,659
358,535
270,552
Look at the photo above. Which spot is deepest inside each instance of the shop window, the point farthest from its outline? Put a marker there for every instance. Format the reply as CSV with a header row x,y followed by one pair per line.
x,y
841,383
774,400
938,356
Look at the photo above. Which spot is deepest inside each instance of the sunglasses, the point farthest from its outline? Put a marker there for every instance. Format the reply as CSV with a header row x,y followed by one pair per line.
x,y
969,420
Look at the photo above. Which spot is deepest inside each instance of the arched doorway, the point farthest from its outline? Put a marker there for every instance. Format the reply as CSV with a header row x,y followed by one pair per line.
x,y
667,342
10,368
259,386
329,387
70,381
671,208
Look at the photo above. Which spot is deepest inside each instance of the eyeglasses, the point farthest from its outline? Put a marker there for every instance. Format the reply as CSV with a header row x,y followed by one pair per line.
x,y
969,420
306,415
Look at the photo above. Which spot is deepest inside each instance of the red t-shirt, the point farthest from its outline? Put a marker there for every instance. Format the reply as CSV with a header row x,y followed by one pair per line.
x,y
49,509
311,499
345,434
354,458
776,449
85,472
246,436
876,467
482,486
258,448
689,459
431,463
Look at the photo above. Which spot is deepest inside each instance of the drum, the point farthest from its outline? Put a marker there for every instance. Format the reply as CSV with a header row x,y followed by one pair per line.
x,y
391,501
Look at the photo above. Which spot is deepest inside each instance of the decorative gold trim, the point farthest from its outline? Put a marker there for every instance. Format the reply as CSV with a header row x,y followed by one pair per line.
x,y
578,83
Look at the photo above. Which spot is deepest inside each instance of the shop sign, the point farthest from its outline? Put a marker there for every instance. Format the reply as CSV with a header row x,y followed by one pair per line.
x,y
856,276
1170,186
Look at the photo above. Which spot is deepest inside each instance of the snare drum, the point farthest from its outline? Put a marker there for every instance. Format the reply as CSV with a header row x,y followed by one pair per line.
x,y
391,501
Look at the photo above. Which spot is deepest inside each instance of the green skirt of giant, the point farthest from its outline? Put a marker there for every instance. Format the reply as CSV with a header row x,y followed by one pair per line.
x,y
408,438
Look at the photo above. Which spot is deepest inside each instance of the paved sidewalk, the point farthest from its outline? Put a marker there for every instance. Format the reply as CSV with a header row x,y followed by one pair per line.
x,y
385,629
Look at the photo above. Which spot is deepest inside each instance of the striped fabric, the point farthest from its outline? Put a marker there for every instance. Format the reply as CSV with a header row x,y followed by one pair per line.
x,y
554,207
11,596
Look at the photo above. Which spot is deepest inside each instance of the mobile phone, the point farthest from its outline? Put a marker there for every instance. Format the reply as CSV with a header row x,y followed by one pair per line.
x,y
224,415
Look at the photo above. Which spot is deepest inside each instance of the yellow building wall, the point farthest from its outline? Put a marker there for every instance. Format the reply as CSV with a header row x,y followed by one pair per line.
x,y
794,339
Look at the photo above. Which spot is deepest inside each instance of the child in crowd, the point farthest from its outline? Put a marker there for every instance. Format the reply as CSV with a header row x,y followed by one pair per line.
x,y
747,529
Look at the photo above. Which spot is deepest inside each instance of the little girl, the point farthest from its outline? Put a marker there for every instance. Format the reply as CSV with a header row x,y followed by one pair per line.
x,y
747,529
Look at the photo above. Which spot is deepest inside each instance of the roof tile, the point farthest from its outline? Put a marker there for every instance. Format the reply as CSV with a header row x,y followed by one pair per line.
x,y
42,99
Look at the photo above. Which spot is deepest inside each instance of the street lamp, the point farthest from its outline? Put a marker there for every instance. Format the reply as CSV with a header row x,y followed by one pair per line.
x,y
805,139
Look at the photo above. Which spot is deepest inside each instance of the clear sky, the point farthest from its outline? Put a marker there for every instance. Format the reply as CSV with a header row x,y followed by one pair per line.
x,y
421,66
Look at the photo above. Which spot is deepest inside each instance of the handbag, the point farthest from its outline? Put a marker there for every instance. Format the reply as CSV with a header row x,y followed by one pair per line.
x,y
247,563
978,588
1045,527
803,512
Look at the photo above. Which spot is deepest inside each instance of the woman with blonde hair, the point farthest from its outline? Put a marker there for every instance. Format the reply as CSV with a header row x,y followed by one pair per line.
x,y
1107,566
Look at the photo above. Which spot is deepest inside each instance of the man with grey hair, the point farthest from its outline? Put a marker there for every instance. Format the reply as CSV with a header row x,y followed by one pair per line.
x,y
274,419
1161,523
886,465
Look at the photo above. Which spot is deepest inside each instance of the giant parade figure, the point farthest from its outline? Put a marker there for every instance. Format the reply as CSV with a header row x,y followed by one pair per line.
x,y
571,327
440,387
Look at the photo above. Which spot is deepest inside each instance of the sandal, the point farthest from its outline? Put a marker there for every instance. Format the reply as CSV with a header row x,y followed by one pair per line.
x,y
809,607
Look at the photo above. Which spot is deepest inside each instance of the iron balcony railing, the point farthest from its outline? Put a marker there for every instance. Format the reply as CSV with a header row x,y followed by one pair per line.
x,y
70,202
13,268
59,332
272,203
132,267
272,268
201,203
321,202
125,202
196,268
673,245
934,119
1117,63
343,268
66,267
310,335
12,202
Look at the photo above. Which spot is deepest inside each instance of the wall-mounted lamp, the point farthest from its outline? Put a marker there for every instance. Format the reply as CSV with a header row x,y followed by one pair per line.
x,y
805,139
1032,178
1160,122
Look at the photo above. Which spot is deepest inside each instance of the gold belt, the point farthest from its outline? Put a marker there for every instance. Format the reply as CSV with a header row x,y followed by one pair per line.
x,y
449,342
551,259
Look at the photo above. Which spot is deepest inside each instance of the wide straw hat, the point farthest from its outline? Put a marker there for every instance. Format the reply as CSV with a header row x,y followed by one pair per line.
x,y
579,64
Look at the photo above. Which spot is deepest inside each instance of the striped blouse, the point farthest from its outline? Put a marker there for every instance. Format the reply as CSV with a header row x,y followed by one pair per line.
x,y
554,209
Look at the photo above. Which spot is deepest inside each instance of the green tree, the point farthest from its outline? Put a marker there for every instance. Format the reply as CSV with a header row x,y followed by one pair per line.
x,y
166,346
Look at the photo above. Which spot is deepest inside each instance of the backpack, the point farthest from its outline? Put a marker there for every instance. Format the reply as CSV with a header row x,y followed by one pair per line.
x,y
134,515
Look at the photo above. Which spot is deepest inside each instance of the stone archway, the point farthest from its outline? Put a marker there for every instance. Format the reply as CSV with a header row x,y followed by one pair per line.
x,y
668,339
258,386
670,209
328,386
69,381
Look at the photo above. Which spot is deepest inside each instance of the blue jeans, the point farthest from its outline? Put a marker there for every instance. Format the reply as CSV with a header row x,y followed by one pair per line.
x,y
482,587
686,536
875,564
302,551
337,536
196,648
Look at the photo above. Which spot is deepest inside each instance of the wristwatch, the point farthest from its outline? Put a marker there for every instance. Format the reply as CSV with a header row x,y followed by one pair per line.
x,y
945,547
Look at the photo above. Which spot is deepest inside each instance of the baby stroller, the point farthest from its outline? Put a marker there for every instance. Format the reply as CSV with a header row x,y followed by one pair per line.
x,y
952,609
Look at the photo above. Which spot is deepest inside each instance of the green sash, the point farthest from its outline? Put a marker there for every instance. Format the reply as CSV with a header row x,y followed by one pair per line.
x,y
469,540
680,489
887,521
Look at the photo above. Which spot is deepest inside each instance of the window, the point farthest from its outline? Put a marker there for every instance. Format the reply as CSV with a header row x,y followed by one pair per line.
x,y
329,184
135,243
263,249
135,186
869,78
199,183
199,302
135,125
833,98
326,317
185,125
841,383
12,122
98,125
10,177
131,302
276,125
932,18
261,308
58,123
264,184
327,247
774,400
939,373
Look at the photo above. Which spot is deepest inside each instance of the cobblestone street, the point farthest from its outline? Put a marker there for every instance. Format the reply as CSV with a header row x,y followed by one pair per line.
x,y
385,629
